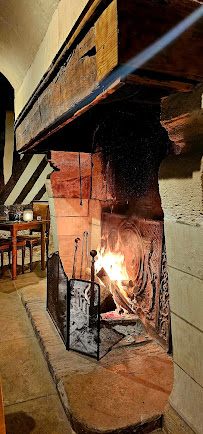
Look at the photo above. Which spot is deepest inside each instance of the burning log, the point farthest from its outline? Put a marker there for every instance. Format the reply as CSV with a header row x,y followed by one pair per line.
x,y
122,298
106,300
111,271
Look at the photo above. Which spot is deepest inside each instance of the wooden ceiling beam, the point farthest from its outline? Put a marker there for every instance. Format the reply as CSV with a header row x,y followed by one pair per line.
x,y
118,30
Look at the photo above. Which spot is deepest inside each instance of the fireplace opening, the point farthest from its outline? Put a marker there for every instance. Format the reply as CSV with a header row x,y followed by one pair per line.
x,y
118,181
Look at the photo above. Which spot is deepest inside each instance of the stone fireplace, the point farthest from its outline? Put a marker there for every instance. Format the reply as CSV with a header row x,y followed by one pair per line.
x,y
106,144
109,199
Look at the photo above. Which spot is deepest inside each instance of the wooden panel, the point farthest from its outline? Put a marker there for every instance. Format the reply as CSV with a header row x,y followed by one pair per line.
x,y
167,86
79,76
106,30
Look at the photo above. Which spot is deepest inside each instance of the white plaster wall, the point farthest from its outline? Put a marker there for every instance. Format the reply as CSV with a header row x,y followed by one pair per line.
x,y
23,26
63,20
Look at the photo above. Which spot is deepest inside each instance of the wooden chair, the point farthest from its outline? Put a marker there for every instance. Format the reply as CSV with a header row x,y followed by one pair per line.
x,y
40,209
6,247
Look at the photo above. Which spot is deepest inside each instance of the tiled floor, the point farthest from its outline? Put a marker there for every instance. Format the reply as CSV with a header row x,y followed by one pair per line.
x,y
31,403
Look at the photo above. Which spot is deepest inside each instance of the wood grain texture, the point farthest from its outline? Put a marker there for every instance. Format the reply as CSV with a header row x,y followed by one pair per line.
x,y
119,30
76,78
142,22
161,82
106,30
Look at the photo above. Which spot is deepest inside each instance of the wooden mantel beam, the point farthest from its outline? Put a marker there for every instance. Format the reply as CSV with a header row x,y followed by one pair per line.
x,y
108,35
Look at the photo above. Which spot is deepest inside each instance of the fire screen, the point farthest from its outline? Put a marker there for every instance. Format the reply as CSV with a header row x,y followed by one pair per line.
x,y
57,285
74,306
83,317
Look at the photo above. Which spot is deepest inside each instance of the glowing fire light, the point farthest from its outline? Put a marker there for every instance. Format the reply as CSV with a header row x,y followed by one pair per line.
x,y
113,264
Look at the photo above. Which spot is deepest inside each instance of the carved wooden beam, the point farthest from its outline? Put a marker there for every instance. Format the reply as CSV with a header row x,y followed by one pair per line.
x,y
108,35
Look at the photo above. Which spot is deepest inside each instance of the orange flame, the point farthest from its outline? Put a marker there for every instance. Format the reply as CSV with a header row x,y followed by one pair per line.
x,y
113,264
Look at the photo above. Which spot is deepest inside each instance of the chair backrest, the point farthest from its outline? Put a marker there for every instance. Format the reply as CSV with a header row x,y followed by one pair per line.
x,y
41,209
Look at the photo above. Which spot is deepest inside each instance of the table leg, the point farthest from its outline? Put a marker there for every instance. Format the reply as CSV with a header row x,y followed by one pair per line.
x,y
43,228
14,254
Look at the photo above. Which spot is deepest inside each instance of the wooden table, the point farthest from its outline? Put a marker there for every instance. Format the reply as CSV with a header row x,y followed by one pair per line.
x,y
14,227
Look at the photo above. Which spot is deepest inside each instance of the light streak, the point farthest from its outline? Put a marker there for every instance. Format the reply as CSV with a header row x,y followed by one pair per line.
x,y
153,49
137,61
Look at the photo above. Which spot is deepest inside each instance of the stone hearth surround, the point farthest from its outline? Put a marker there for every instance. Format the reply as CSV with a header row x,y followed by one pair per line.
x,y
126,391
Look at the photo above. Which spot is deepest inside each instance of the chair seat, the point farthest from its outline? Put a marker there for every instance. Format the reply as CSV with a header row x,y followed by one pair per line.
x,y
6,247
4,241
31,240
7,244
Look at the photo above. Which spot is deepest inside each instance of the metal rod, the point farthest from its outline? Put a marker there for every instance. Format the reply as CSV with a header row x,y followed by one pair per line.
x,y
87,248
81,204
77,240
93,253
85,235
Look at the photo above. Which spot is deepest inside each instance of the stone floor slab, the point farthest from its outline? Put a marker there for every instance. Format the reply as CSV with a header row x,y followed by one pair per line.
x,y
14,324
7,286
24,375
132,388
35,292
30,279
30,397
43,415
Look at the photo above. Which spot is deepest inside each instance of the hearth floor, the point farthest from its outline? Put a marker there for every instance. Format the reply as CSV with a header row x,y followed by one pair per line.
x,y
125,392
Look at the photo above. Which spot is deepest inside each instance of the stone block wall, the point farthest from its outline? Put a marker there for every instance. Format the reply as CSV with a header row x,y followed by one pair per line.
x,y
180,184
184,245
75,205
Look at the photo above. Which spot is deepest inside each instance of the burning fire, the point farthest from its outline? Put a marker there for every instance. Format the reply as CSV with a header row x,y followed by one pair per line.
x,y
113,264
